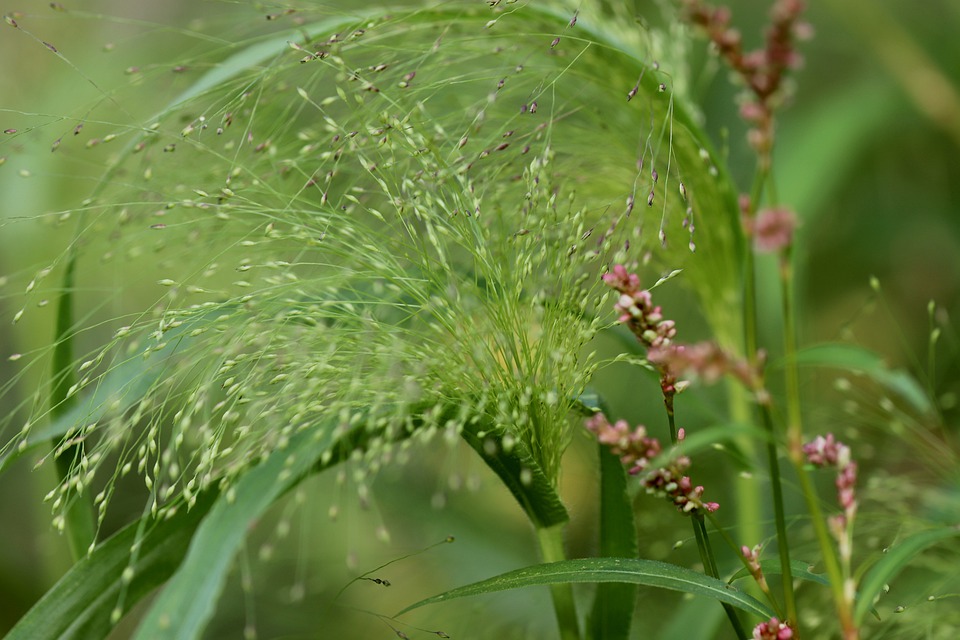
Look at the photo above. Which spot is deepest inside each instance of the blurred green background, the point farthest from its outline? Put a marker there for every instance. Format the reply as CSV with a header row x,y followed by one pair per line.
x,y
868,153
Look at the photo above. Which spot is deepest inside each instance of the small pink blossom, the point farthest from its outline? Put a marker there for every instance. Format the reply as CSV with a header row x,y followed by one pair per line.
x,y
635,308
773,630
706,360
826,451
773,229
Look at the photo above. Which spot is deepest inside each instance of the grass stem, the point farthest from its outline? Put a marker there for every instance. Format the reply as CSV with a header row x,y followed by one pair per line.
x,y
564,605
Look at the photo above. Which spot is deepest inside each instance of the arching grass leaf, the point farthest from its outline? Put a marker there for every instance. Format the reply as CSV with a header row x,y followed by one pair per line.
x,y
185,605
81,604
595,570
614,603
895,559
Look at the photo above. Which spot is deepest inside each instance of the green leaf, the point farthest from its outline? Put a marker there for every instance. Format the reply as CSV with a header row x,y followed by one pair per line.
x,y
596,570
818,148
798,569
522,476
81,603
186,604
613,603
895,559
860,360
78,517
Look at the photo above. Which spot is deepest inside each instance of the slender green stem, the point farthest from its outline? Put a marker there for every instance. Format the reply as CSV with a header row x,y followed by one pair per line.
x,y
711,569
700,532
779,515
746,565
564,606
749,277
791,370
825,542
795,444
751,343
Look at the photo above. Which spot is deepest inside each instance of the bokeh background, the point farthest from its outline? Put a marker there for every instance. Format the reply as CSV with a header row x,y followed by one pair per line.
x,y
868,153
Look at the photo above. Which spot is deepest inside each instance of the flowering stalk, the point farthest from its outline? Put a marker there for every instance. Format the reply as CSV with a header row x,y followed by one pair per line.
x,y
646,321
761,72
828,452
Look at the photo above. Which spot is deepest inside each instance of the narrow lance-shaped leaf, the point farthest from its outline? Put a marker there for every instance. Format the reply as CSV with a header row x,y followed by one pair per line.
x,y
186,604
613,603
895,559
82,603
78,517
594,570
858,359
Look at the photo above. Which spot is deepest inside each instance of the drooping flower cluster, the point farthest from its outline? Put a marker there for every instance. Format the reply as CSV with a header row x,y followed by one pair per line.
x,y
773,629
761,70
706,360
635,449
637,311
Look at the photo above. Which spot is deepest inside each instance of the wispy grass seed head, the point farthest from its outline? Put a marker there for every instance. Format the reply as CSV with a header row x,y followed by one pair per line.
x,y
365,222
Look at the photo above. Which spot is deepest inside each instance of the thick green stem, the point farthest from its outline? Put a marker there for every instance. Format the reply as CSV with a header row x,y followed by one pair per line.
x,y
564,606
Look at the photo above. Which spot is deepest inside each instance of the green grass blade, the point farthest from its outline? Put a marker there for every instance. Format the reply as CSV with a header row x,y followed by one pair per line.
x,y
800,570
895,559
82,602
596,570
188,601
859,359
613,603
520,473
78,517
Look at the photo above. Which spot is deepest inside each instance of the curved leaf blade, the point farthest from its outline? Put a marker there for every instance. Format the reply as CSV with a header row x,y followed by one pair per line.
x,y
613,603
522,476
80,605
649,573
861,360
186,604
892,562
